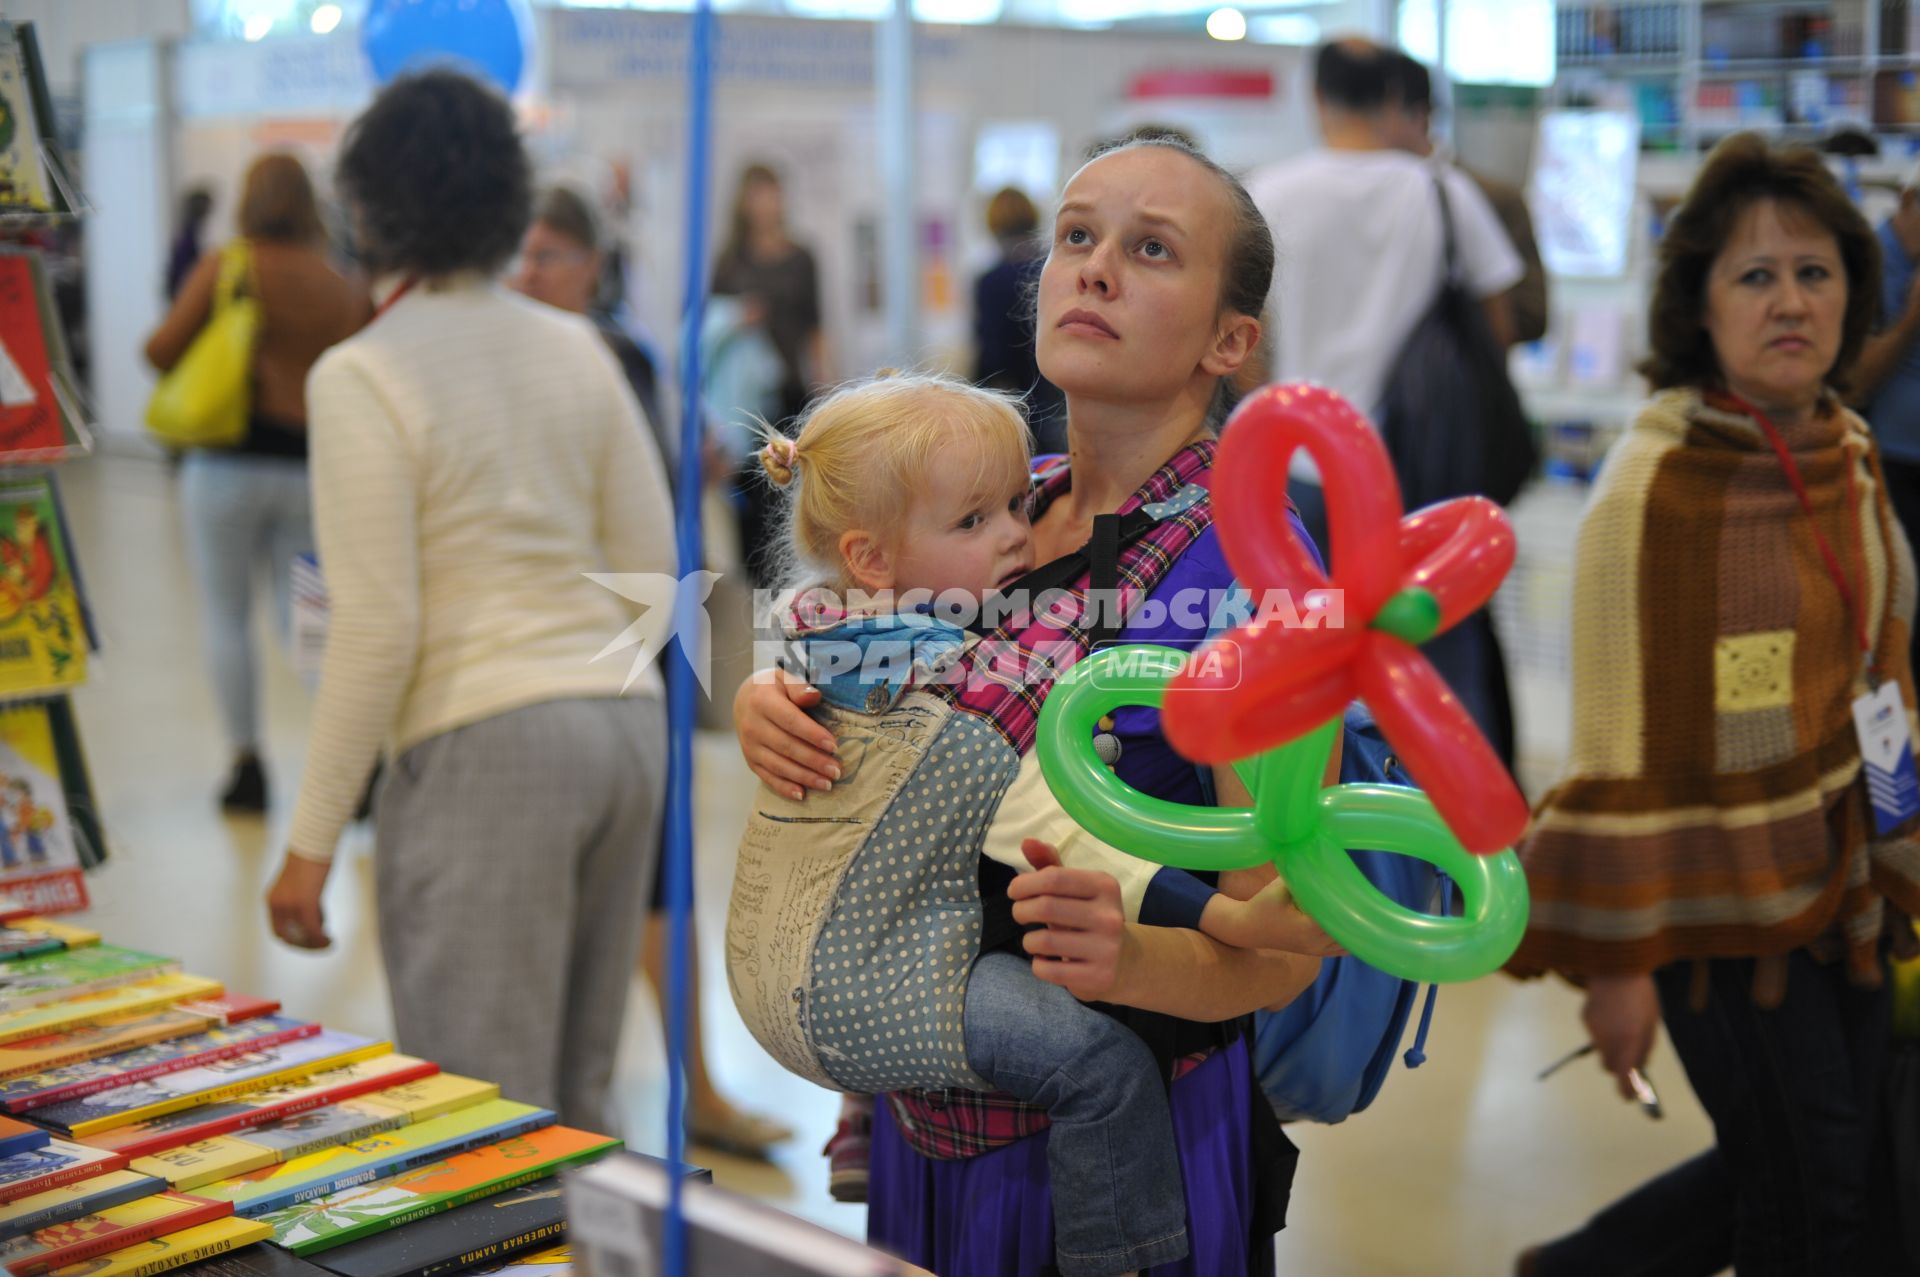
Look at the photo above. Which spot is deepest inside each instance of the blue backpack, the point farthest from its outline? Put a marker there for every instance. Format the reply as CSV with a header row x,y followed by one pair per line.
x,y
1325,1054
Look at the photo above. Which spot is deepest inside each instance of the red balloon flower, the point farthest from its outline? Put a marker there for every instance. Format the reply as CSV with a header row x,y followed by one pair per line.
x,y
1402,581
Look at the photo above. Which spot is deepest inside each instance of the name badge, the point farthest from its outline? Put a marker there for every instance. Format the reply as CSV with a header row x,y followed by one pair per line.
x,y
1886,749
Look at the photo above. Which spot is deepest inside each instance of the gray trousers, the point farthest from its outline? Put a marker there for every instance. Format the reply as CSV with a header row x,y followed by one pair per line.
x,y
513,857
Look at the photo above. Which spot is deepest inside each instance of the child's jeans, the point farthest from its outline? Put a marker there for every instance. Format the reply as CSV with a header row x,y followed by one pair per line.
x,y
1118,1198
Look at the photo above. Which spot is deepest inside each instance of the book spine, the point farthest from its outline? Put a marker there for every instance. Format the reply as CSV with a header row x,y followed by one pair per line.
x,y
81,988
74,1208
119,1239
61,1178
167,1262
231,1091
398,1165
533,1238
159,1068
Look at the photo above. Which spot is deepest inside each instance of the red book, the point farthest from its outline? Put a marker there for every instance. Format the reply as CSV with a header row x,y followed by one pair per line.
x,y
29,414
55,1166
115,1228
232,1008
257,1108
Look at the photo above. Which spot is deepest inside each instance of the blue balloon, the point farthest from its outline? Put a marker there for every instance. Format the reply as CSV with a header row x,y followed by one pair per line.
x,y
487,38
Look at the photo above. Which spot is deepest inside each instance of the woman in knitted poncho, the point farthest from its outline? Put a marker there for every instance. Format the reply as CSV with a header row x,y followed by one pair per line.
x,y
1712,858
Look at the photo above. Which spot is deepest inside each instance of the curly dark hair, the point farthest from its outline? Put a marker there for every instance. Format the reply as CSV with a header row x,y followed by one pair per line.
x,y
436,170
1740,172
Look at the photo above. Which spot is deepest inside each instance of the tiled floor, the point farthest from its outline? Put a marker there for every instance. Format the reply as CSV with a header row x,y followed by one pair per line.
x,y
1454,1169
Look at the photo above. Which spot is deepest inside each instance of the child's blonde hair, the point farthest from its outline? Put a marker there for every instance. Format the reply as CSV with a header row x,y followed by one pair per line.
x,y
865,450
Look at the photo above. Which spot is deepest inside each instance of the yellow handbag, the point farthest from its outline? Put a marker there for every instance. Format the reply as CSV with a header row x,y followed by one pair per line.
x,y
206,399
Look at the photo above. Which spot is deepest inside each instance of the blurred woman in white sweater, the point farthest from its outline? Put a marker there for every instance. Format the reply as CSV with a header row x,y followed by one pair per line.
x,y
474,455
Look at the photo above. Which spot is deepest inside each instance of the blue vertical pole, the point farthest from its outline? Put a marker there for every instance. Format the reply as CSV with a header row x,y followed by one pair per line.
x,y
681,681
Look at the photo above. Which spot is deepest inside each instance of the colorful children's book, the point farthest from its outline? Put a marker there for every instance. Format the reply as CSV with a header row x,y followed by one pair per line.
x,y
42,647
257,1108
55,1163
76,778
71,1201
24,183
521,1220
96,1008
174,1055
359,1212
174,1250
102,1233
253,1071
32,982
30,418
17,1137
31,937
191,1165
274,1188
118,1034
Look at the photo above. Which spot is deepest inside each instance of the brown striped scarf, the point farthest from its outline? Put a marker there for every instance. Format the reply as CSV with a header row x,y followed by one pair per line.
x,y
1713,804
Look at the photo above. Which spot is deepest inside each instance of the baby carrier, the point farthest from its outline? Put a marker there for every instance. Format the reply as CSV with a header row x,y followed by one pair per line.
x,y
856,916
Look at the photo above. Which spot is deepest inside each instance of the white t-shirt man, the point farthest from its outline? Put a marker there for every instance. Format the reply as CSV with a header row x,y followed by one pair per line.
x,y
1360,260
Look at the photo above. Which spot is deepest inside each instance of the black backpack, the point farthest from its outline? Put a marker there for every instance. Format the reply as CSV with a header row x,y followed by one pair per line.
x,y
1451,419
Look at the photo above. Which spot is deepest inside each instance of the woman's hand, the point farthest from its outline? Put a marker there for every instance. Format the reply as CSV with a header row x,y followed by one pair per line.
x,y
782,745
1622,1015
1083,947
294,903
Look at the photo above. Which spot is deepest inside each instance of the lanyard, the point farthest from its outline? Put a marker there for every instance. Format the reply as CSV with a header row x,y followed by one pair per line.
x,y
393,298
1855,602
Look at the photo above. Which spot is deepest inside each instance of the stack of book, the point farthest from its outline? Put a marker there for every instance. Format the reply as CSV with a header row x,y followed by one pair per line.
x,y
150,1121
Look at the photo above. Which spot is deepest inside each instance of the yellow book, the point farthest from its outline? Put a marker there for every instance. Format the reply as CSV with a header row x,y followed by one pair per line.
x,y
225,1156
148,995
68,934
173,1250
210,1084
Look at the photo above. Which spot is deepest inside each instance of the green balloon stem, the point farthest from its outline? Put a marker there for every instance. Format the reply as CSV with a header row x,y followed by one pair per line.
x,y
1412,616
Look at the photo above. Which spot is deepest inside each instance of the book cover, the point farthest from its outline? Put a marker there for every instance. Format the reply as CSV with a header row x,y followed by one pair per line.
x,y
70,1201
111,1036
345,1216
173,1055
202,1162
174,1250
303,1179
73,429
17,1137
253,1070
95,1008
257,1108
24,184
115,1228
30,418
43,648
39,648
52,1164
532,1217
32,982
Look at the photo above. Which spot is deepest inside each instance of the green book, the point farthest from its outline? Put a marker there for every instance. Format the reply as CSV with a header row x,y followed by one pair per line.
x,y
354,1213
52,977
305,1179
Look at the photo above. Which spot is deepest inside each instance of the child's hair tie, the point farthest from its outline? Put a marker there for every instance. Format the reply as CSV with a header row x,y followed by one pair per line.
x,y
780,459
